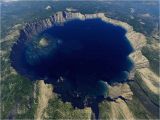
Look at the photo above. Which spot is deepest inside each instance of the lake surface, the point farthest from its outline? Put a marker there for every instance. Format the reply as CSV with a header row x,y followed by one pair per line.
x,y
78,58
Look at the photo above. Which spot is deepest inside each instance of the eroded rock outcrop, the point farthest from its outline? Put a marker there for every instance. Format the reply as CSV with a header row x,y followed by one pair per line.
x,y
137,40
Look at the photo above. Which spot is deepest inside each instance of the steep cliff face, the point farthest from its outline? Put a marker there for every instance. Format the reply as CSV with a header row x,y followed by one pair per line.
x,y
137,41
119,92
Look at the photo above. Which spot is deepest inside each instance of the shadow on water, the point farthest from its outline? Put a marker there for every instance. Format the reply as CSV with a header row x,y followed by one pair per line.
x,y
78,58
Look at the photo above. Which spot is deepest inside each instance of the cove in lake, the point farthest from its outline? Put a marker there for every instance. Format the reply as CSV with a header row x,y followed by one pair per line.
x,y
78,58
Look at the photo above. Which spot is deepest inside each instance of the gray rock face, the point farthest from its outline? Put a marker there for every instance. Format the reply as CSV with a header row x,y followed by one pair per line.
x,y
137,40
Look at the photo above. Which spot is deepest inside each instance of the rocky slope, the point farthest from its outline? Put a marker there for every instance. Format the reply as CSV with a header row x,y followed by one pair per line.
x,y
119,93
137,40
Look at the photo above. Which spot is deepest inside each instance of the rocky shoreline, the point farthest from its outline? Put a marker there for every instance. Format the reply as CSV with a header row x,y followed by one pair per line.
x,y
136,39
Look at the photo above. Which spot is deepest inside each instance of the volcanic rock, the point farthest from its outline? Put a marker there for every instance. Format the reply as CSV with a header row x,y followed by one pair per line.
x,y
137,41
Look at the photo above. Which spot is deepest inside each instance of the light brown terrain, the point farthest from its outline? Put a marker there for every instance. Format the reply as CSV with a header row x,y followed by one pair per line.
x,y
148,82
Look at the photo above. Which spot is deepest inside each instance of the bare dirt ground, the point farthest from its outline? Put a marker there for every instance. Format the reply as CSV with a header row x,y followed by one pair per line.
x,y
150,79
120,110
45,93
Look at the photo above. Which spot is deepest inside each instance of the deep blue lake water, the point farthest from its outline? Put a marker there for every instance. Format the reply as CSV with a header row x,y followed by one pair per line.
x,y
79,57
